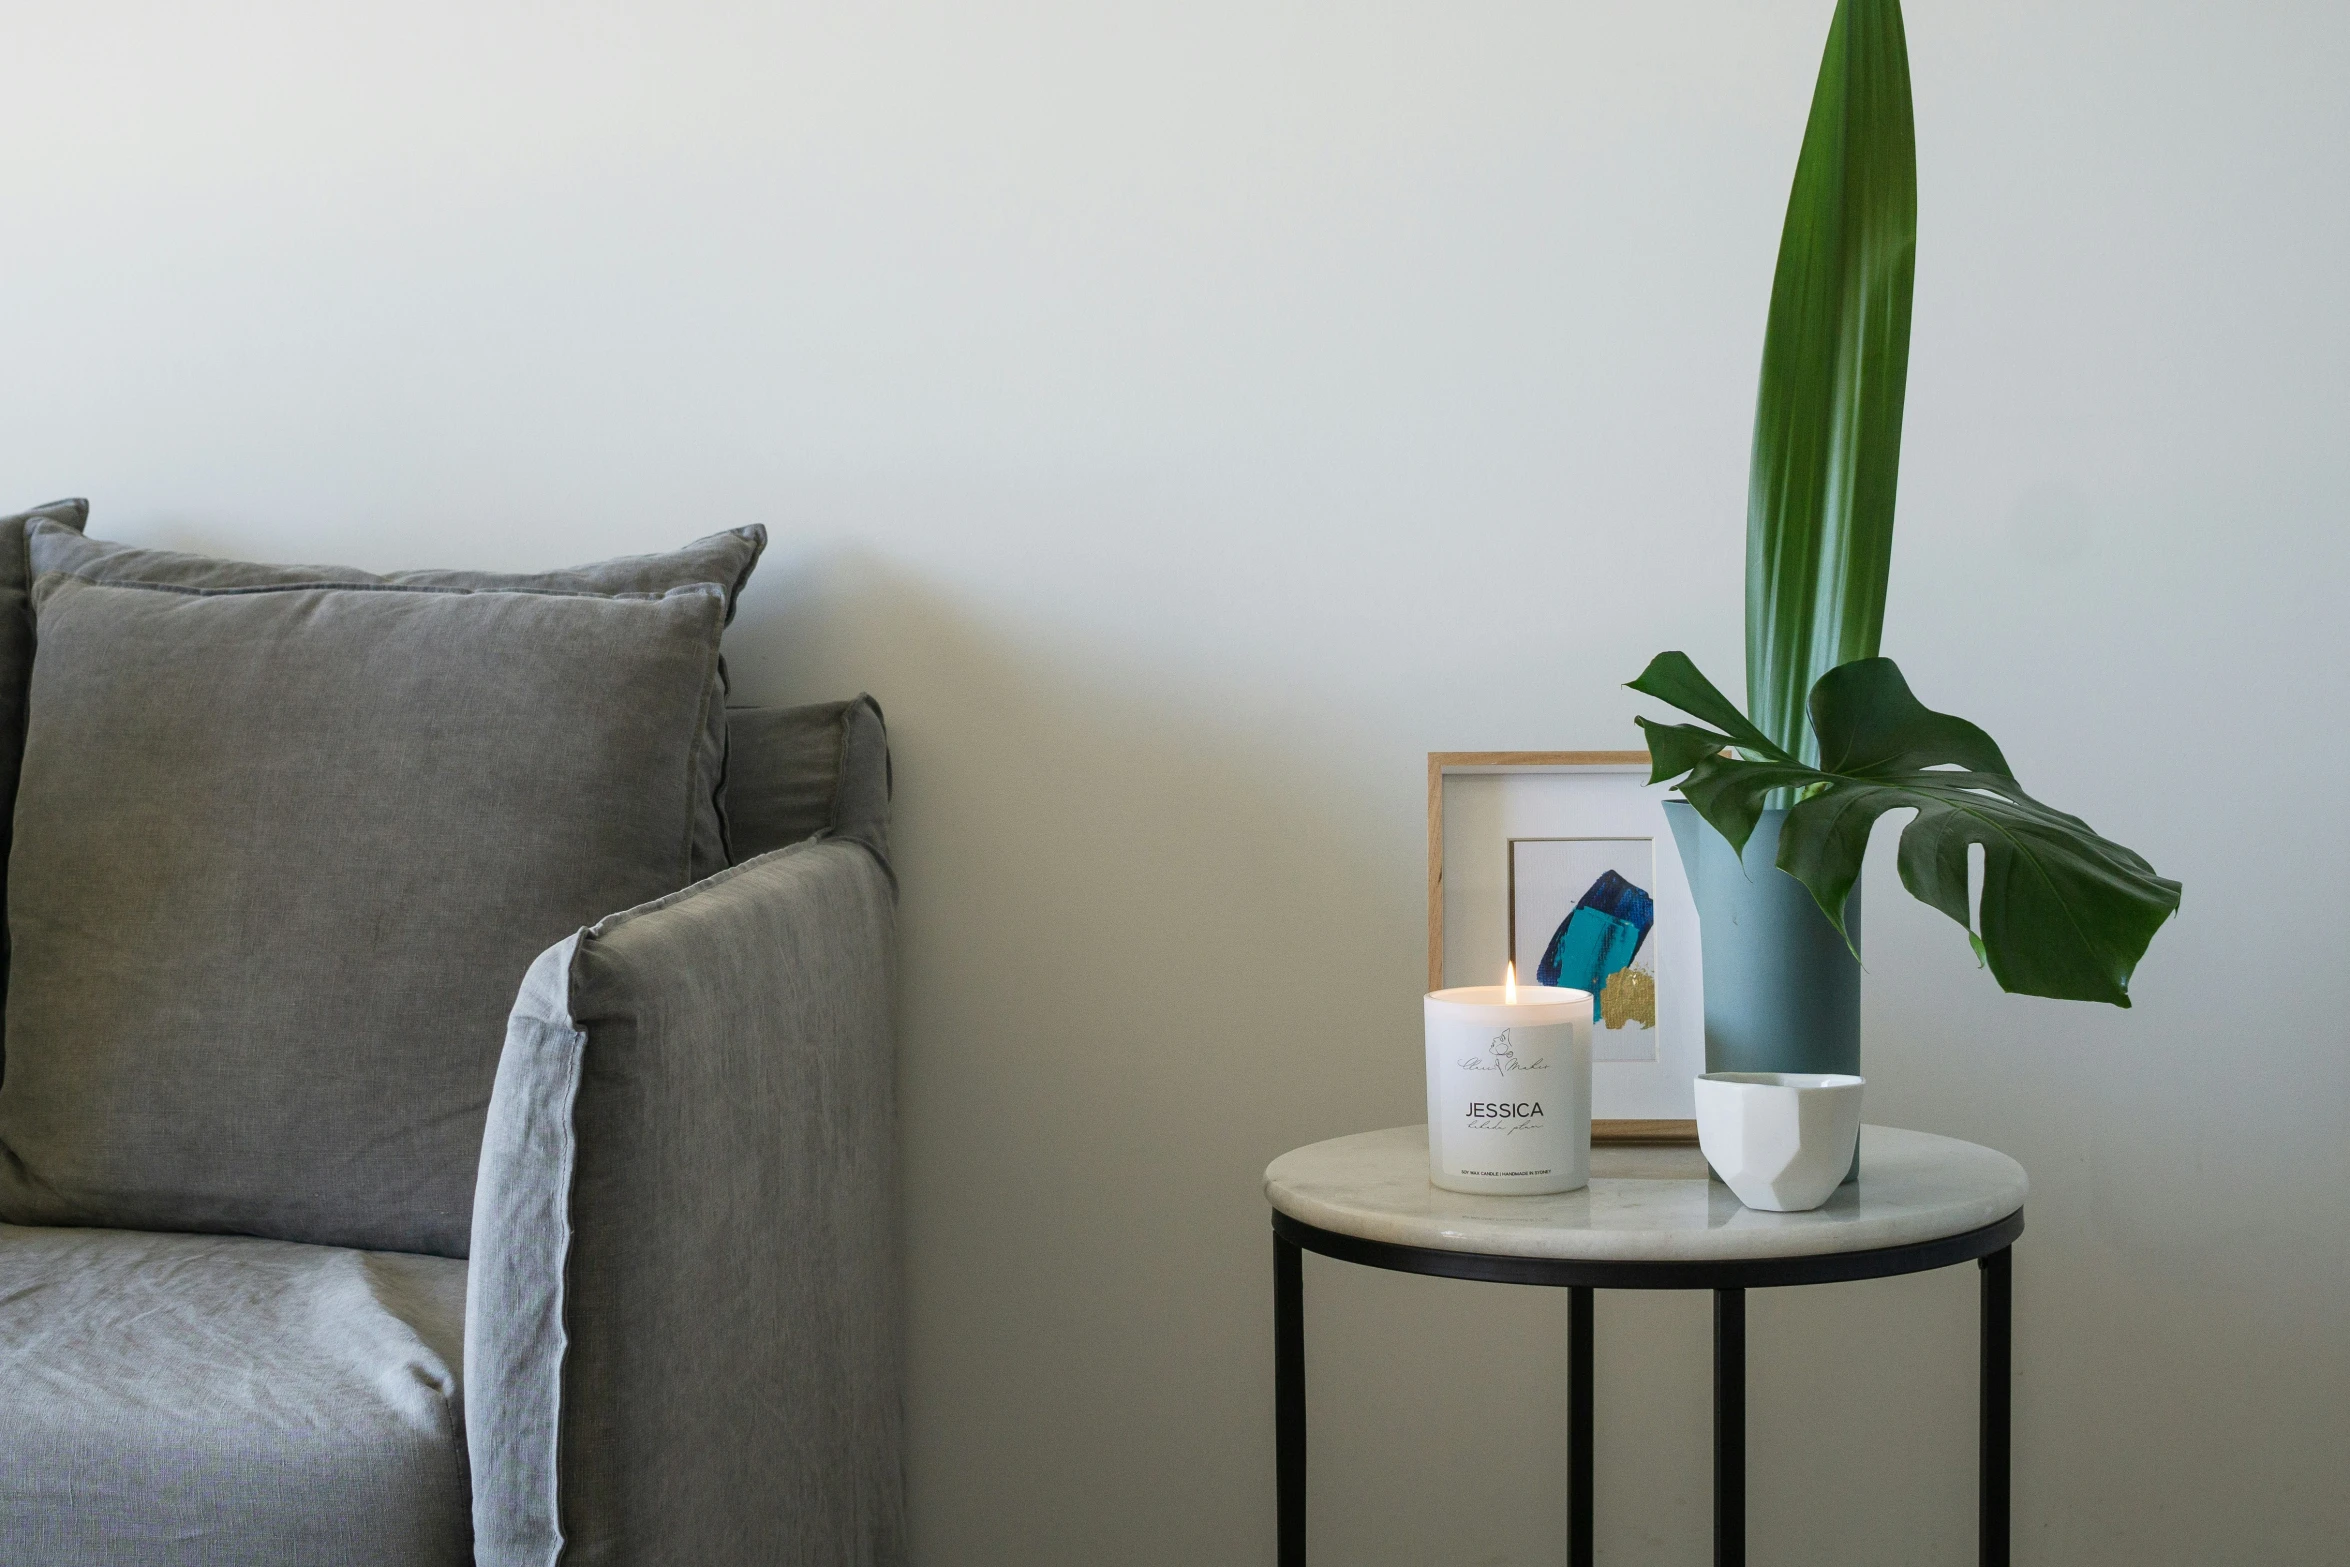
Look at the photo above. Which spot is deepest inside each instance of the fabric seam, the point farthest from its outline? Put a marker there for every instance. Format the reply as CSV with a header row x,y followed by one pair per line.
x,y
695,785
183,590
574,1068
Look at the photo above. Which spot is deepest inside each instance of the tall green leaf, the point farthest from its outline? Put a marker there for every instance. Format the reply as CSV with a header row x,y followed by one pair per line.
x,y
1827,426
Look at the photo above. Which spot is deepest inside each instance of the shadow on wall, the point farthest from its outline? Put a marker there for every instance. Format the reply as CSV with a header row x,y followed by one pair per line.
x,y
1155,930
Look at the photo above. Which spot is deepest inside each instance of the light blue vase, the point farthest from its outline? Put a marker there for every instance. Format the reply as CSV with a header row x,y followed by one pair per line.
x,y
1782,991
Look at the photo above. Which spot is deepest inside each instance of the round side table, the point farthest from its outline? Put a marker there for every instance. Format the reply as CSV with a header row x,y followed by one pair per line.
x,y
1652,1218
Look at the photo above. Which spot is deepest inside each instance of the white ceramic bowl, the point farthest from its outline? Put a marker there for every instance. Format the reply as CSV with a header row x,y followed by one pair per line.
x,y
1782,1141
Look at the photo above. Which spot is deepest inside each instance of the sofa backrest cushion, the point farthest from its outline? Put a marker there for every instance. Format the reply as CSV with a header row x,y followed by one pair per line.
x,y
64,518
16,663
725,559
722,558
794,773
285,853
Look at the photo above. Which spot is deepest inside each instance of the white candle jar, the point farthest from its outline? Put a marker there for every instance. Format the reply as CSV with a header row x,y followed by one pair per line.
x,y
1509,1089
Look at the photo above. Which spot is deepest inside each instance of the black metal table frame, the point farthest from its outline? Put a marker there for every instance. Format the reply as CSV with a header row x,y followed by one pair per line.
x,y
1989,1247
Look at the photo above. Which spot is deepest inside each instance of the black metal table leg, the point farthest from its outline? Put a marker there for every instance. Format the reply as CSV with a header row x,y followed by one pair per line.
x,y
1289,1401
1579,1326
1730,1428
1998,1347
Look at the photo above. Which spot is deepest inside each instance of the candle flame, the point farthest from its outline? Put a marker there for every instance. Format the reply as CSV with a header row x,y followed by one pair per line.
x,y
1509,983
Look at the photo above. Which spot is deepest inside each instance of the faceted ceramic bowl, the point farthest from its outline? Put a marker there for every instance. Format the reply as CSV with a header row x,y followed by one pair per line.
x,y
1782,1141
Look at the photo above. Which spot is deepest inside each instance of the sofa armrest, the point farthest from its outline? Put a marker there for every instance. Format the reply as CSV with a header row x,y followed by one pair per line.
x,y
681,1339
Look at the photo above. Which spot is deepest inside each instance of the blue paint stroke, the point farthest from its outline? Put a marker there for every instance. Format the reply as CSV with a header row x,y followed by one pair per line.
x,y
1601,934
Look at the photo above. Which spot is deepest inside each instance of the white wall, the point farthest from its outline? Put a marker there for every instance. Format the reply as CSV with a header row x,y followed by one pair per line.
x,y
1184,417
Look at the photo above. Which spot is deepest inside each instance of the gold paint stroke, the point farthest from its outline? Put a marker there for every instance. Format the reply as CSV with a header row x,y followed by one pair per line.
x,y
1628,997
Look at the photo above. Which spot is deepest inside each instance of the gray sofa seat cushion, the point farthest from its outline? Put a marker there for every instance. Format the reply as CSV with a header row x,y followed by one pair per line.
x,y
214,1400
287,852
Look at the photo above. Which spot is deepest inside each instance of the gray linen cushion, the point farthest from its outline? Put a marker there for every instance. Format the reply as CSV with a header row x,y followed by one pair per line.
x,y
16,661
722,558
65,518
287,853
200,1400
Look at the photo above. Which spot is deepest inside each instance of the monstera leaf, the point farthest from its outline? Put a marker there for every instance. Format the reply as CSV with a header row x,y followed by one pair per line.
x,y
2065,913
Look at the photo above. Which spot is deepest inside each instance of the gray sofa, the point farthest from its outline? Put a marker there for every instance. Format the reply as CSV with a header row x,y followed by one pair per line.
x,y
671,1333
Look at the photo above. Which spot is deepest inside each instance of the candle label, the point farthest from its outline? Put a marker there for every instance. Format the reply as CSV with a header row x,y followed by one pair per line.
x,y
1509,1104
1503,1101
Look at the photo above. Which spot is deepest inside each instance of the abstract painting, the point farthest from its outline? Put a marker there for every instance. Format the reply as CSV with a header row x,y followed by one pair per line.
x,y
1582,916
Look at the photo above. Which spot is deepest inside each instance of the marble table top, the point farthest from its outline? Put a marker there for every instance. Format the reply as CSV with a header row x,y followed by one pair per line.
x,y
1645,1204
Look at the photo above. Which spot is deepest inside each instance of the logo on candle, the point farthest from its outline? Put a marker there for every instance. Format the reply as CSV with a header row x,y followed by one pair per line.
x,y
1502,1056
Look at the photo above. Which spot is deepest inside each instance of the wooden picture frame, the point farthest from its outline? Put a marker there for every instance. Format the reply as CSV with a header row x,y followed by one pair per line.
x,y
1687,1013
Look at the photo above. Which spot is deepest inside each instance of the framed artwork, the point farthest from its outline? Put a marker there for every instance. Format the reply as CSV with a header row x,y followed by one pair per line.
x,y
1561,861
